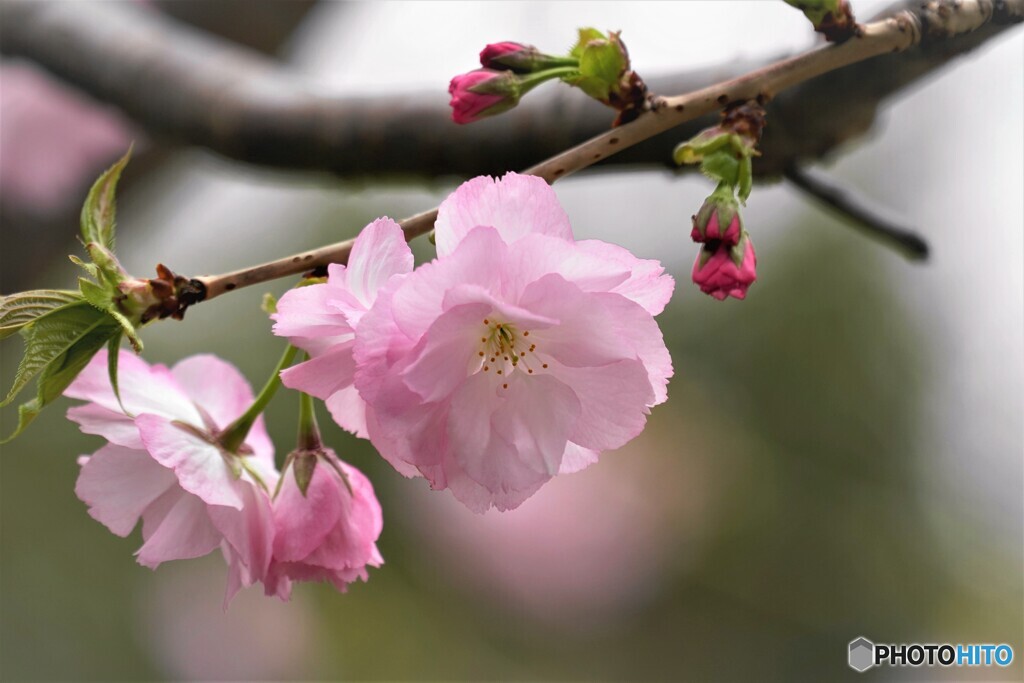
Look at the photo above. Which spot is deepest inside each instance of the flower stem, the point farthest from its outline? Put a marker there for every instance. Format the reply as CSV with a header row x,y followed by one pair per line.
x,y
309,432
234,435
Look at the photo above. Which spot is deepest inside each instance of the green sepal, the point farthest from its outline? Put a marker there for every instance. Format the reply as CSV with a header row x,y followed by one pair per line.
x,y
745,180
20,309
100,209
303,466
586,35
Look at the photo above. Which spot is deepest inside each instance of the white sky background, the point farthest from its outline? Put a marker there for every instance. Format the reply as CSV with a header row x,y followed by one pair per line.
x,y
958,138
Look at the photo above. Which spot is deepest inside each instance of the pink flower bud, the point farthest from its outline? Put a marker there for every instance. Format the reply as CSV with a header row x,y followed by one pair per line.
x,y
724,270
482,93
718,219
514,56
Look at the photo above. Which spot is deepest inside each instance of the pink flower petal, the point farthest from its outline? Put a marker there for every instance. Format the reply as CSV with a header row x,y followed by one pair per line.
x,y
510,441
198,464
144,388
647,285
613,400
178,528
379,252
302,523
119,483
305,316
214,385
249,531
576,458
115,427
477,261
325,374
516,205
349,410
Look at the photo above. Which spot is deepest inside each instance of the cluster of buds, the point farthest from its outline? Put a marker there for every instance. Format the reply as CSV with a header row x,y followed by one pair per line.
x,y
598,65
727,264
167,295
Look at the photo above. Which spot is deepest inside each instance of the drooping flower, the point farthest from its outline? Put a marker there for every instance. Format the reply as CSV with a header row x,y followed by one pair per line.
x,y
162,463
327,521
321,320
724,270
518,354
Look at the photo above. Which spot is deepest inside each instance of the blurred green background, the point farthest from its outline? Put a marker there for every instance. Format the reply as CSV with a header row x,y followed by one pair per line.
x,y
840,455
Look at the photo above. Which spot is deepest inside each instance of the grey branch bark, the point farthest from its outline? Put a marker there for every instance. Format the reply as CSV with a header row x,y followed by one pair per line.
x,y
199,90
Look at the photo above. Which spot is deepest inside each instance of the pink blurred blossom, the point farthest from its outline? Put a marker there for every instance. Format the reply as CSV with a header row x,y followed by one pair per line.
x,y
52,138
517,355
161,464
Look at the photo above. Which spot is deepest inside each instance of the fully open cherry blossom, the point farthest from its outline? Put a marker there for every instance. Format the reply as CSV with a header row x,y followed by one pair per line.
x,y
518,354
162,465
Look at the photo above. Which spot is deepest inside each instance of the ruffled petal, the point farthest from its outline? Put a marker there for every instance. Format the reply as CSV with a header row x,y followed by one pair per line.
x,y
379,252
115,427
515,205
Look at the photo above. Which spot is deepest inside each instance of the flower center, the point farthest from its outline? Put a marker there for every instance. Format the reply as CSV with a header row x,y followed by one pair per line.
x,y
505,349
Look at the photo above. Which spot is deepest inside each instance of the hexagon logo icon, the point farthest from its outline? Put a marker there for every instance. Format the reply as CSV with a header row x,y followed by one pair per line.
x,y
862,654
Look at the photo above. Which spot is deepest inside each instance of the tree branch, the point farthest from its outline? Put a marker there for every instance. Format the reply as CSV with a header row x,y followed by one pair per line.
x,y
197,89
893,34
861,216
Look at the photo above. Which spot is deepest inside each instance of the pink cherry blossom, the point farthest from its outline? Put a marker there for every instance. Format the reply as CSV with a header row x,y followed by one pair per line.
x,y
321,320
329,533
518,354
161,463
722,270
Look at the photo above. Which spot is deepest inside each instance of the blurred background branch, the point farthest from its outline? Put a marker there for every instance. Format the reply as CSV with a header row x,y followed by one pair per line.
x,y
199,89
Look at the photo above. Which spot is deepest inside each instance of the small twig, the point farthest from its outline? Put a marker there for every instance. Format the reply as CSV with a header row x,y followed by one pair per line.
x,y
887,35
861,216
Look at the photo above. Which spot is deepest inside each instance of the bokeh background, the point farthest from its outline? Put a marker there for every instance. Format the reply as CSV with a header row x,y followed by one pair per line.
x,y
841,454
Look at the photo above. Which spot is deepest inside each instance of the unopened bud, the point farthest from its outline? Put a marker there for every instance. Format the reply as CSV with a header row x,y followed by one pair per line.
x,y
723,270
523,59
718,218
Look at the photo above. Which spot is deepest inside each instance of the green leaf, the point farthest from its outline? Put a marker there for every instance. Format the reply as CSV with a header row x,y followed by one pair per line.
x,y
90,268
51,336
21,308
103,299
77,332
110,270
100,210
